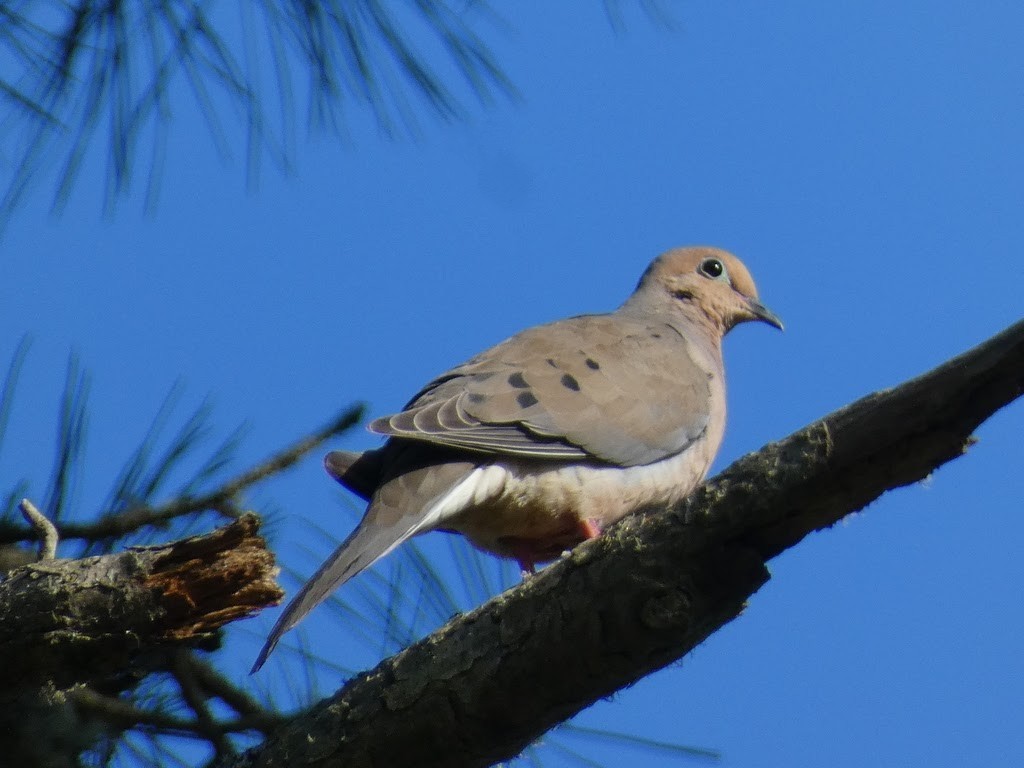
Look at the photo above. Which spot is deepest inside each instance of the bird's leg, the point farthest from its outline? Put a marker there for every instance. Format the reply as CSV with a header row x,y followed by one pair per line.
x,y
524,552
526,568
528,552
589,528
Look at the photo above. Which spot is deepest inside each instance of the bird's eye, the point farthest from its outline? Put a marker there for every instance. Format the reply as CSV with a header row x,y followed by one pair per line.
x,y
714,269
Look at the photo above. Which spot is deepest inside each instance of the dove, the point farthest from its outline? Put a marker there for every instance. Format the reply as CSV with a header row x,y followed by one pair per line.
x,y
546,439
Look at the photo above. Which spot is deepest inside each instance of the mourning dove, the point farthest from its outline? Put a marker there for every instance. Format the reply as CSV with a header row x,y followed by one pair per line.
x,y
546,439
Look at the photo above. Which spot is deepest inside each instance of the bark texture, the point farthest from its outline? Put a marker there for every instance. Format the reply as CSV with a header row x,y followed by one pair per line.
x,y
75,631
491,681
101,621
67,622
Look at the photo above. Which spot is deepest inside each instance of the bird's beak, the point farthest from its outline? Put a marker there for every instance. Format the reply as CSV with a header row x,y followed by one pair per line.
x,y
761,312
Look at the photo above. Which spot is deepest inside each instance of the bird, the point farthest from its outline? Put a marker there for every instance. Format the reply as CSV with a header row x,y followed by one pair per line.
x,y
546,439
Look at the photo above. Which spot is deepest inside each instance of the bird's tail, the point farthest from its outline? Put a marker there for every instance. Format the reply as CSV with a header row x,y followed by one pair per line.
x,y
364,546
385,526
359,472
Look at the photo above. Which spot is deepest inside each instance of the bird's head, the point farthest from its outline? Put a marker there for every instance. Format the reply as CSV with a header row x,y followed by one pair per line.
x,y
702,283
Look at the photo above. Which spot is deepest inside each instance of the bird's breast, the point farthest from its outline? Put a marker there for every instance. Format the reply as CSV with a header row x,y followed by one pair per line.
x,y
544,503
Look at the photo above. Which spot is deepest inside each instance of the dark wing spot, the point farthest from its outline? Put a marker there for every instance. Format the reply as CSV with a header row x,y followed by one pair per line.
x,y
711,376
569,382
552,362
476,397
593,364
655,335
517,380
526,399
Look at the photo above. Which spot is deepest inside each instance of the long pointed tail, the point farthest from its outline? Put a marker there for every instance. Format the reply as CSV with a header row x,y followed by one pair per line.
x,y
365,545
414,501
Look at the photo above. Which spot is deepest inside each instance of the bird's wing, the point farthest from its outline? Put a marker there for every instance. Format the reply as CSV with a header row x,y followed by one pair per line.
x,y
610,388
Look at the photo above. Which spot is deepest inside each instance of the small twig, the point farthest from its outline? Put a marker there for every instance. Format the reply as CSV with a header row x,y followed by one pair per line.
x,y
285,458
117,524
217,685
221,498
194,696
123,714
45,530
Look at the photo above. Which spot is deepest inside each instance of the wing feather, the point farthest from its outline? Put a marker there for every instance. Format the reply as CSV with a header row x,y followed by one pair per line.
x,y
600,387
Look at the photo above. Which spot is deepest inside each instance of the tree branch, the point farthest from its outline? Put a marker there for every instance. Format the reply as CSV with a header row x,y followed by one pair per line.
x,y
97,620
636,599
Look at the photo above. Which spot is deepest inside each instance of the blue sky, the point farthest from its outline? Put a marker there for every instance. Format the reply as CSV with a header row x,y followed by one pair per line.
x,y
863,159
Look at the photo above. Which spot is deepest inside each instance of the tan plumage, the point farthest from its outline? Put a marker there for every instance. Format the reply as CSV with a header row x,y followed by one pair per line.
x,y
557,432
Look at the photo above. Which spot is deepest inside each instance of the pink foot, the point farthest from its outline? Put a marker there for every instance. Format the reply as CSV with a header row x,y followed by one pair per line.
x,y
589,528
528,552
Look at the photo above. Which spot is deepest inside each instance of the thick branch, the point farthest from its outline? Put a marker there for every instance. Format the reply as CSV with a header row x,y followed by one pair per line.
x,y
493,680
69,622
